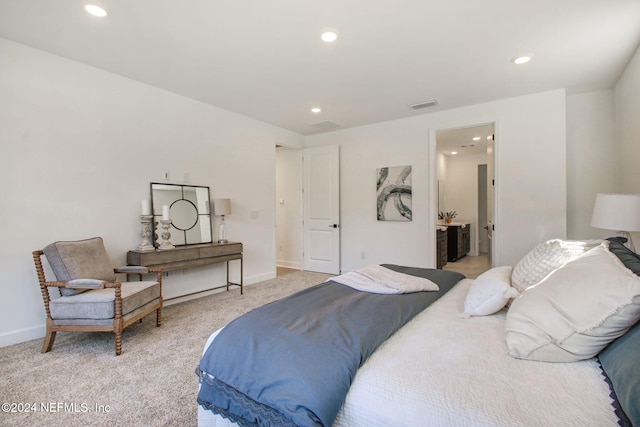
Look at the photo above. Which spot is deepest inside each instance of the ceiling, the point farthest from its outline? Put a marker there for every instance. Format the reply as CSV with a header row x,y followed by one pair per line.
x,y
265,60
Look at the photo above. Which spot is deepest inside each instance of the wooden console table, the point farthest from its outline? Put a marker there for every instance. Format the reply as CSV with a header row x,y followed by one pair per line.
x,y
183,257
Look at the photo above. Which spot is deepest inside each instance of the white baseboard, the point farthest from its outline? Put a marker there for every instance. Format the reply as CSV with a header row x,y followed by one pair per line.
x,y
259,278
23,335
288,264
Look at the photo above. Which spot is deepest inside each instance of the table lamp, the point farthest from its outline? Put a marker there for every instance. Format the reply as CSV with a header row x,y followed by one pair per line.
x,y
617,212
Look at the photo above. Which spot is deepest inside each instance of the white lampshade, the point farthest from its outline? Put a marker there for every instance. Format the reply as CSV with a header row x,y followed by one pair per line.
x,y
617,212
221,207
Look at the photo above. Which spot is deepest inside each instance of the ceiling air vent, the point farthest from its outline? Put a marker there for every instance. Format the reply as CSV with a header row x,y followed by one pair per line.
x,y
429,103
327,125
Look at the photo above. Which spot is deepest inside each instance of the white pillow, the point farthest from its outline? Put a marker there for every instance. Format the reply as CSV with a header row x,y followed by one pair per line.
x,y
545,258
490,292
575,311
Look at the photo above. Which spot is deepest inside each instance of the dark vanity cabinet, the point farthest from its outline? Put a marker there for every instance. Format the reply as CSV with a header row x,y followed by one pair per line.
x,y
441,248
458,241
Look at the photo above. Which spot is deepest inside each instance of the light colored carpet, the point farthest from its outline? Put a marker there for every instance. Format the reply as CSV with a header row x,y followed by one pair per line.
x,y
151,384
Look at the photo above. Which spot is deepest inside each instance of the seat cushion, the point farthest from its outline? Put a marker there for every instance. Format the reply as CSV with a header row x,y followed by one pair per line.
x,y
99,303
82,259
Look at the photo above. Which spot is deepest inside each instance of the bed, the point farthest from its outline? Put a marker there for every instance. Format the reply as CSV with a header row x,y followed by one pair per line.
x,y
483,352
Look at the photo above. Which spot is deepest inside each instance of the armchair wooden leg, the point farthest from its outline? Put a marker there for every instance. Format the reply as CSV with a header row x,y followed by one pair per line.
x,y
118,343
159,317
48,341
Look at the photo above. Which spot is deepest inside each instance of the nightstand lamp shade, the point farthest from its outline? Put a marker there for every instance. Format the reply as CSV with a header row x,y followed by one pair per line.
x,y
617,212
222,207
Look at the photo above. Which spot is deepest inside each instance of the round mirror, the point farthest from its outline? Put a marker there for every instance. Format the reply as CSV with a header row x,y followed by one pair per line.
x,y
184,214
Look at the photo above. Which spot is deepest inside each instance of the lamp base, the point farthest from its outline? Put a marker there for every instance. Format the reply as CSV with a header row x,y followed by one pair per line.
x,y
222,238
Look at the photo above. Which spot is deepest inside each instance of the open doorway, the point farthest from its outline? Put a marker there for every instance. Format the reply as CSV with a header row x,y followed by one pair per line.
x,y
464,170
288,210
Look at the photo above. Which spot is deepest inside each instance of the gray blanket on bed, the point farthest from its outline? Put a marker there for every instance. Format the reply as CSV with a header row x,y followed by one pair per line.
x,y
291,362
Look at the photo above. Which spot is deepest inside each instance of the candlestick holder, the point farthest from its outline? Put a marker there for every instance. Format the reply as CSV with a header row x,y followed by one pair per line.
x,y
145,233
165,235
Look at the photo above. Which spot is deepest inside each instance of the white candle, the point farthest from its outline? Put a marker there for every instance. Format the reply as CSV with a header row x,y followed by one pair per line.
x,y
146,207
165,212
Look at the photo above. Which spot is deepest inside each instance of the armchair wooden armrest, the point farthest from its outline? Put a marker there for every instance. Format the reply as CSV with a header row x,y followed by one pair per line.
x,y
140,270
71,286
55,284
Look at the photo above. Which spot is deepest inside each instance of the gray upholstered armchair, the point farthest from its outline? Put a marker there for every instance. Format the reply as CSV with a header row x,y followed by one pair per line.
x,y
89,298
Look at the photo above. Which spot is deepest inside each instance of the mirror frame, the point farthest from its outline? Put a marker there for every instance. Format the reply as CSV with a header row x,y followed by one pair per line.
x,y
203,215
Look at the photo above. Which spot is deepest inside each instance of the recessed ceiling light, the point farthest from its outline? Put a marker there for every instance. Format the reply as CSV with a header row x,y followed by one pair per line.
x,y
476,138
96,10
522,59
454,153
329,36
316,110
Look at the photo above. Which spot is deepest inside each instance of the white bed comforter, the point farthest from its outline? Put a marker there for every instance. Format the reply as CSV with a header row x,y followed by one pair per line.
x,y
444,370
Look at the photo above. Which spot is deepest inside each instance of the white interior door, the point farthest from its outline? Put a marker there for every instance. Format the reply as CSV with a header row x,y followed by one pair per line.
x,y
321,209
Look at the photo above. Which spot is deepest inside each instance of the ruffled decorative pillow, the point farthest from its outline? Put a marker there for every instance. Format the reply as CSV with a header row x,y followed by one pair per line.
x,y
575,311
545,258
490,292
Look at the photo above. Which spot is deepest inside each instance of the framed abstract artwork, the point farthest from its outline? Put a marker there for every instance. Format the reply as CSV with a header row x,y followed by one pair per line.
x,y
394,193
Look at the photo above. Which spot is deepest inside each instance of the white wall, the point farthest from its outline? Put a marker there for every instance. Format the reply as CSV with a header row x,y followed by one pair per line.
x,y
289,207
603,148
627,104
530,179
79,148
591,159
441,166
